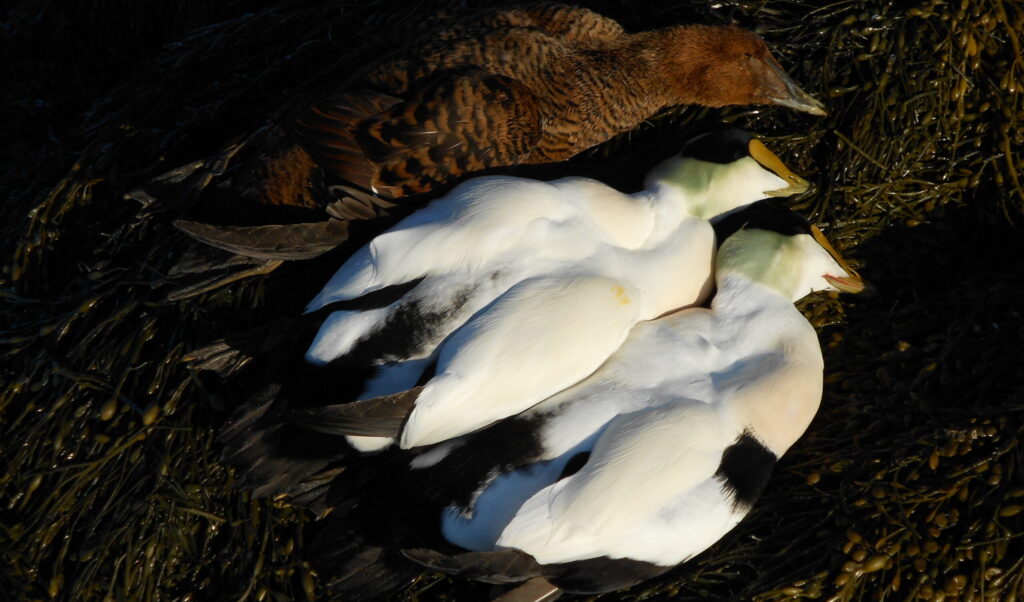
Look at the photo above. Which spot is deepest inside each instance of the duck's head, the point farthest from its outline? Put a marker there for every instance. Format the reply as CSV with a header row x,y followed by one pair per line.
x,y
776,247
725,170
718,66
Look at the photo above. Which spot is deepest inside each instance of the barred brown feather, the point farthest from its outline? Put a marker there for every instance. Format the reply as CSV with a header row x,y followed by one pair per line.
x,y
527,85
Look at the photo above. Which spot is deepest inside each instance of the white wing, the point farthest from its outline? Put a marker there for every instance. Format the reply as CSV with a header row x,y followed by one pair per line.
x,y
648,492
659,360
541,336
648,370
490,220
480,219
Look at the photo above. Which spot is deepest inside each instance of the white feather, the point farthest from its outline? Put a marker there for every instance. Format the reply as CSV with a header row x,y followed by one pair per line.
x,y
493,367
555,273
657,418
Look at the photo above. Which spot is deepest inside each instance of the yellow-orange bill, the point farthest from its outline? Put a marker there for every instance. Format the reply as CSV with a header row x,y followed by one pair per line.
x,y
851,284
772,163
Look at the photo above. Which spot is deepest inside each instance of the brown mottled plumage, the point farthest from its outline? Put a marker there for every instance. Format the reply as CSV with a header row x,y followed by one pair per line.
x,y
518,86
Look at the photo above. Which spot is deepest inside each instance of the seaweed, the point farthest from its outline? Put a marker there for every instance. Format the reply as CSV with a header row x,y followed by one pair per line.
x,y
907,486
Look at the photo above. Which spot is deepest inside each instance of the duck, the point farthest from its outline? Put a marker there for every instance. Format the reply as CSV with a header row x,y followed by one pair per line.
x,y
513,289
393,325
451,104
662,450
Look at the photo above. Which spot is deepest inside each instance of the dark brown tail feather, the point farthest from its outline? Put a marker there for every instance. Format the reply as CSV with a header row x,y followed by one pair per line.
x,y
278,241
356,569
378,417
202,268
228,356
180,187
273,458
291,241
499,566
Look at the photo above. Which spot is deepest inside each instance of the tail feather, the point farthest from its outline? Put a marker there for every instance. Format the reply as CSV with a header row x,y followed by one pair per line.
x,y
204,269
228,356
377,417
274,458
356,204
356,569
181,186
499,566
202,259
537,589
168,188
276,241
376,580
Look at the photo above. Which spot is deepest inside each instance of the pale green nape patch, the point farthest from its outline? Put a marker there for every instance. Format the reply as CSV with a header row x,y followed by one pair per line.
x,y
690,176
765,257
711,188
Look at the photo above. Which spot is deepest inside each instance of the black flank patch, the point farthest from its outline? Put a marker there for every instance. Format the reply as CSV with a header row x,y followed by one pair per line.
x,y
745,469
497,449
600,575
762,215
721,146
306,385
407,331
574,465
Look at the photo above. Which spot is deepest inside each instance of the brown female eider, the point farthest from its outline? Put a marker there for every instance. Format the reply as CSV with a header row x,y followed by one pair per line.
x,y
516,86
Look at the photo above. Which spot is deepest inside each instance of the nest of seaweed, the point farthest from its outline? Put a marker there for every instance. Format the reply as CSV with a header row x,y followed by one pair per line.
x,y
908,484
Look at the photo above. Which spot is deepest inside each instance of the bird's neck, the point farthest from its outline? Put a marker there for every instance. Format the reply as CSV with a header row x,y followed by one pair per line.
x,y
657,69
667,206
736,293
677,63
708,190
785,366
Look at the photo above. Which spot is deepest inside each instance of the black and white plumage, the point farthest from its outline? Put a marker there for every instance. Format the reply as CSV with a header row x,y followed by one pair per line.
x,y
519,288
662,450
640,466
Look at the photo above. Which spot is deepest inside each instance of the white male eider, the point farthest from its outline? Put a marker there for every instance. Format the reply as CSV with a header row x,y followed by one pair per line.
x,y
549,276
665,448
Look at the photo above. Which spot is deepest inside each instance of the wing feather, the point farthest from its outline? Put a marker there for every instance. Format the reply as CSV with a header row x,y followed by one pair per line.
x,y
377,417
535,340
647,468
478,223
455,122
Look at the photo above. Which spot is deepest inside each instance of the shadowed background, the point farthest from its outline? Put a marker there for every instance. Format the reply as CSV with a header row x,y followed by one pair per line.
x,y
908,484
